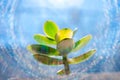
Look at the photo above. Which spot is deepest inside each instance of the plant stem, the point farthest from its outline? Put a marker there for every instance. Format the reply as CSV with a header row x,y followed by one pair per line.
x,y
66,65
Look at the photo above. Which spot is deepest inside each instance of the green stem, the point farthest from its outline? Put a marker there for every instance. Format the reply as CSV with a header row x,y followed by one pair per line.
x,y
66,65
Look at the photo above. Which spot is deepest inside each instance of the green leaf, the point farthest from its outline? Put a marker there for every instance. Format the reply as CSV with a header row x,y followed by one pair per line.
x,y
61,72
47,60
42,49
81,58
81,43
50,29
44,40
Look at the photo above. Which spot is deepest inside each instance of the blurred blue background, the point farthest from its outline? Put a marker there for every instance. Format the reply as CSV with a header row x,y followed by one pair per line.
x,y
21,19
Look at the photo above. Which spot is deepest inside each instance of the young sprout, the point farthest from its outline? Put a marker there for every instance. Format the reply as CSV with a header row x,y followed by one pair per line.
x,y
63,39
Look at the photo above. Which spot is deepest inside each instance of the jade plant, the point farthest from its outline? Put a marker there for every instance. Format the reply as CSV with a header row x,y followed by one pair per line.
x,y
45,52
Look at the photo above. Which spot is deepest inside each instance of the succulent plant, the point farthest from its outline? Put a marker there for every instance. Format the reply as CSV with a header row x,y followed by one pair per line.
x,y
63,40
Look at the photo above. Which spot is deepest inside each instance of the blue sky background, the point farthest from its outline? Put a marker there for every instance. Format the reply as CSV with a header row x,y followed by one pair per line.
x,y
21,19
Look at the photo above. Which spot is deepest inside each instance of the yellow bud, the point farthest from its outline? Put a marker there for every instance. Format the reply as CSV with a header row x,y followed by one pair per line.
x,y
63,34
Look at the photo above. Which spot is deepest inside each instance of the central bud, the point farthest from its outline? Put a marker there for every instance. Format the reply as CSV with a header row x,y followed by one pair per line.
x,y
64,41
63,34
65,46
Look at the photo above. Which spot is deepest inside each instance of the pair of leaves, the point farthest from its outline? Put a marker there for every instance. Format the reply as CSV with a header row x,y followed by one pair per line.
x,y
78,45
43,54
53,34
55,61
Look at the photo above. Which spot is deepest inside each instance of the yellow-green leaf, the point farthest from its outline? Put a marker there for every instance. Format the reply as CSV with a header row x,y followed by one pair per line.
x,y
44,40
81,43
47,60
82,57
61,72
42,49
50,29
